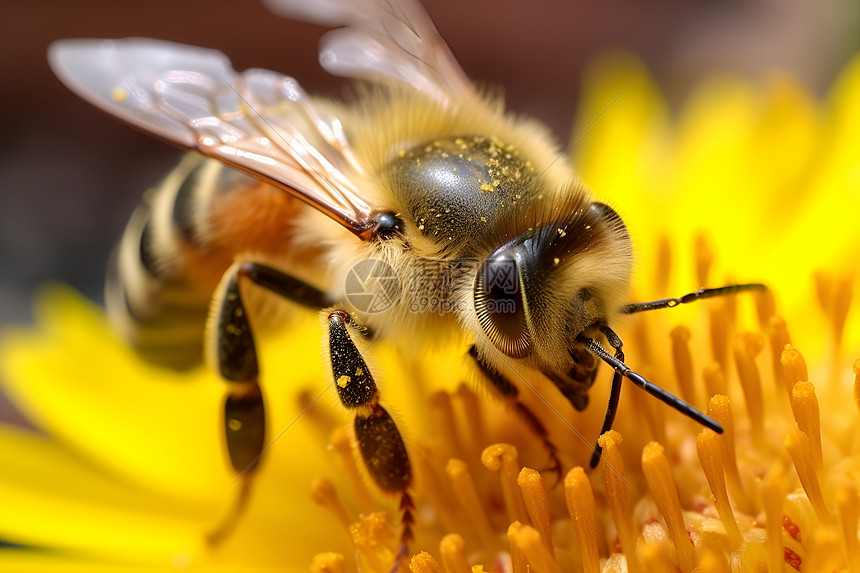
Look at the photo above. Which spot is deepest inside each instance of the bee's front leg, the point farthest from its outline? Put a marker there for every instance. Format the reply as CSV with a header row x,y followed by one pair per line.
x,y
233,351
506,390
379,441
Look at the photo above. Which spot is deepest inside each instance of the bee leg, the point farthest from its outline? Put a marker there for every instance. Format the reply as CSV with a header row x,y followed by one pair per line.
x,y
244,417
235,356
509,392
614,393
379,441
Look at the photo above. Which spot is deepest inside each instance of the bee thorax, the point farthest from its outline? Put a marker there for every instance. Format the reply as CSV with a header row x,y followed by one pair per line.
x,y
456,188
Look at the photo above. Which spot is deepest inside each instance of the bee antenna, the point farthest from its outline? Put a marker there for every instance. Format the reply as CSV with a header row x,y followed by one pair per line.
x,y
666,397
700,294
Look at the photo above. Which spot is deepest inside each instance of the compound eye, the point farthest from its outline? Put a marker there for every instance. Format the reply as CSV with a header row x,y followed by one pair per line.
x,y
500,305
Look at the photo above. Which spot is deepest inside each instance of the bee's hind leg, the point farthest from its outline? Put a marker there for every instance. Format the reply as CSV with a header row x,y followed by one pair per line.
x,y
234,353
509,392
379,441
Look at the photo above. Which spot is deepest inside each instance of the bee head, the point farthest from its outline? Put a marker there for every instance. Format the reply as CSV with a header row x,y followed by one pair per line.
x,y
542,289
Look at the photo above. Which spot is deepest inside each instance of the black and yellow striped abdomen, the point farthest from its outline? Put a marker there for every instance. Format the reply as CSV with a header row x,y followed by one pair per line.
x,y
177,245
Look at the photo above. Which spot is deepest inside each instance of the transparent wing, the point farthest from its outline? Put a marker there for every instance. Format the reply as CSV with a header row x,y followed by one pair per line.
x,y
258,121
380,39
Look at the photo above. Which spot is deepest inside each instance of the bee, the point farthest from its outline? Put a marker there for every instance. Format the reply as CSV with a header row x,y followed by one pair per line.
x,y
421,207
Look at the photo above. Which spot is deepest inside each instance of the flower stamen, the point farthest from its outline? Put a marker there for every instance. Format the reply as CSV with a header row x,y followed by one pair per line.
x,y
774,495
467,495
341,444
519,563
324,494
704,254
856,368
849,509
617,495
451,549
765,306
662,485
834,297
682,360
798,445
779,339
327,563
472,431
720,409
528,540
711,458
424,563
804,405
747,347
537,504
715,380
441,414
580,506
432,485
718,325
502,458
375,541
793,367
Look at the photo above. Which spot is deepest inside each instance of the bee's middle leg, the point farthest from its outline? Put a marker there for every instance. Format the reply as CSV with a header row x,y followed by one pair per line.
x,y
379,441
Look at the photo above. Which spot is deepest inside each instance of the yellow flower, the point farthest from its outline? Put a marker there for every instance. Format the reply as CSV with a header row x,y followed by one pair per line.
x,y
746,184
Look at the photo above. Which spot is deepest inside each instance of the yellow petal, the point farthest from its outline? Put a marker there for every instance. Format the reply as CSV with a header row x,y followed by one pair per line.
x,y
55,499
76,381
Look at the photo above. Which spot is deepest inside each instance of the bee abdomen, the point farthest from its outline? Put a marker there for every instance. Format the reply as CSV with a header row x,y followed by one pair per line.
x,y
156,297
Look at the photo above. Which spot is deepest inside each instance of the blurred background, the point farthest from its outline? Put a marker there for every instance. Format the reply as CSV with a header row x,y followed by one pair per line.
x,y
70,176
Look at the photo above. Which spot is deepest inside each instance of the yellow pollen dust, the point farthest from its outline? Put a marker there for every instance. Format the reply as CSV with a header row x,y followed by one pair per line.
x,y
424,563
344,380
118,95
327,563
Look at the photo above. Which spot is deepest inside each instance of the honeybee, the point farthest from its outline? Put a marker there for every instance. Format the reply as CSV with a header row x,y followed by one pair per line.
x,y
421,207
